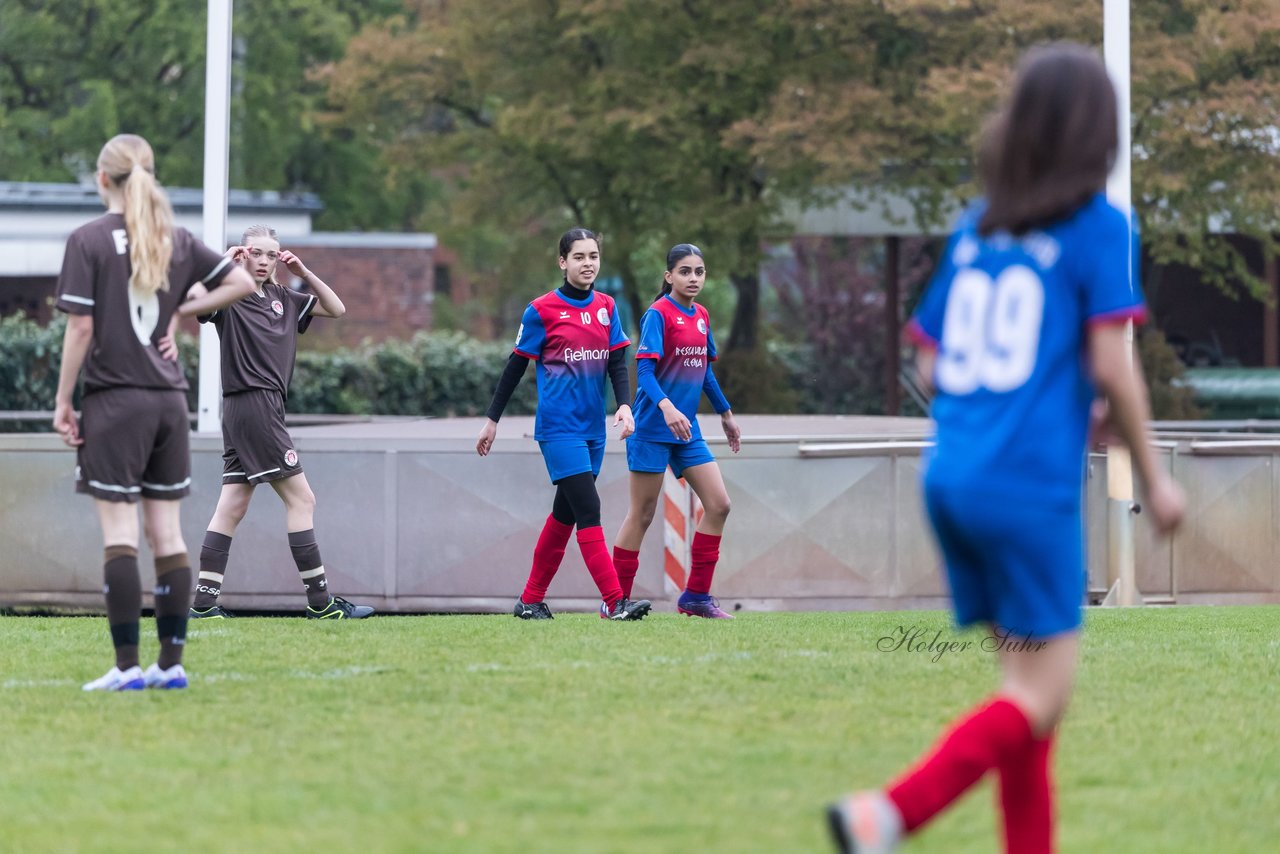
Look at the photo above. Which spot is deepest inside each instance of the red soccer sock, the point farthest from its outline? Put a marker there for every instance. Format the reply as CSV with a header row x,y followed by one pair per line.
x,y
985,738
547,555
1026,799
599,564
704,552
627,563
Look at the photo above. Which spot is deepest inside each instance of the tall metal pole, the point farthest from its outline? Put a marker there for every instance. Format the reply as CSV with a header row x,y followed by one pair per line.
x,y
892,326
217,136
1120,505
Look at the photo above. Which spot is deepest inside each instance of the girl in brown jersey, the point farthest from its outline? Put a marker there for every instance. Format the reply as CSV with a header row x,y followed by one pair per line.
x,y
124,276
259,342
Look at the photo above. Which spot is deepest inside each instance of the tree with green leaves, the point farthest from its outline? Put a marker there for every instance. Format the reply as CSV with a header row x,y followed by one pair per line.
x,y
617,114
76,72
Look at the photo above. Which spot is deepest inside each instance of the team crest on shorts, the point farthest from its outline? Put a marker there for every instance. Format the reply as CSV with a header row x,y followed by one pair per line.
x,y
603,316
278,308
291,457
702,326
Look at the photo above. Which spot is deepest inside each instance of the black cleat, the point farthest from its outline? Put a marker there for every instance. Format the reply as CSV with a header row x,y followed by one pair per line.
x,y
536,611
625,609
213,612
339,609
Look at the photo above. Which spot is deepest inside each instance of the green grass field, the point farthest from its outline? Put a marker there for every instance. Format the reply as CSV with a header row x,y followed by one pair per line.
x,y
489,734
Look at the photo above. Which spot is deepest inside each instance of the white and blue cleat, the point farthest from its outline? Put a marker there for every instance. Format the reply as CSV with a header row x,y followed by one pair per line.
x,y
116,679
174,677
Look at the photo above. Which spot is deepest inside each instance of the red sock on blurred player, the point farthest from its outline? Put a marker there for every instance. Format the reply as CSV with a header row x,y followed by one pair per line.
x,y
994,734
1026,799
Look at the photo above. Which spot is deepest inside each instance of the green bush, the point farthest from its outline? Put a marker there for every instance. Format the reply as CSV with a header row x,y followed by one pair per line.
x,y
431,374
31,354
443,374
438,374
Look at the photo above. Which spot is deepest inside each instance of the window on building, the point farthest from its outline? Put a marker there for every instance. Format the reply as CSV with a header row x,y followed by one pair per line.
x,y
443,282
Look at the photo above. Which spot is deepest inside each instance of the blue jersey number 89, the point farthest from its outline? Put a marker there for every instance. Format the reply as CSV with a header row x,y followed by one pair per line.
x,y
991,331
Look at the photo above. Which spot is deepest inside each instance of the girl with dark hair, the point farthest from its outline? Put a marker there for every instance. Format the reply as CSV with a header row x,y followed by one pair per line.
x,y
1023,323
574,335
124,276
673,370
259,345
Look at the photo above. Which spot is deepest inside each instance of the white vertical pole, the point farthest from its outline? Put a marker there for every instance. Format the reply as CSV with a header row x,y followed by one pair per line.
x,y
1115,52
217,133
1120,542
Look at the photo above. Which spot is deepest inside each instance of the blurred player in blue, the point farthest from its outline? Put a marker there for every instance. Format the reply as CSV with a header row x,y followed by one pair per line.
x,y
574,335
1021,327
673,370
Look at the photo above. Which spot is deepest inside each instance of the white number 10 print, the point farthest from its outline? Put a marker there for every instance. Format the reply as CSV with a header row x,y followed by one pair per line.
x,y
991,331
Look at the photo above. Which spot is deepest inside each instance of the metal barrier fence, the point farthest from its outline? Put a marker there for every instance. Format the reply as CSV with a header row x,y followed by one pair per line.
x,y
826,515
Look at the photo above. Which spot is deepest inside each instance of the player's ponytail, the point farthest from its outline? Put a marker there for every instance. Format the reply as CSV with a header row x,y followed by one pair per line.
x,y
148,217
675,255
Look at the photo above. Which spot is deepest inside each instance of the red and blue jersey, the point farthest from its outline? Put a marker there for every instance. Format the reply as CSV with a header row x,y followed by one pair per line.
x,y
570,340
1009,317
680,342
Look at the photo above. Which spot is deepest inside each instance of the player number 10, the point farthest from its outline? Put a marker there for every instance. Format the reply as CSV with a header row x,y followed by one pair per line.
x,y
991,331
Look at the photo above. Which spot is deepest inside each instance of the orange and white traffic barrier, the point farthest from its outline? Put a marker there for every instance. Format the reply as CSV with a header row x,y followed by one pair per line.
x,y
681,513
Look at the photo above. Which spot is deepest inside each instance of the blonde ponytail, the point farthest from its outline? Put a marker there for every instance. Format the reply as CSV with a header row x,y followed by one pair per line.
x,y
148,217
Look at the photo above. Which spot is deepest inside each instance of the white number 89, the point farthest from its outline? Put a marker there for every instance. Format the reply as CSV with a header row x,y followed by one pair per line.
x,y
991,331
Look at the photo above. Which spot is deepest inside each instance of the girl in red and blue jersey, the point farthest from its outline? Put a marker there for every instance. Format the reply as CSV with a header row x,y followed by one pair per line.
x,y
673,370
1023,325
574,336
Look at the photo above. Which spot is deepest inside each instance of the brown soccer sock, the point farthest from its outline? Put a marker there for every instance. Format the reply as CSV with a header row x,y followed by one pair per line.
x,y
173,598
123,590
306,556
213,567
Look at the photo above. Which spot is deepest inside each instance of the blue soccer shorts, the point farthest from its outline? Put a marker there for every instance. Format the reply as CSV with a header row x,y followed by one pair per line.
x,y
567,457
646,456
1016,566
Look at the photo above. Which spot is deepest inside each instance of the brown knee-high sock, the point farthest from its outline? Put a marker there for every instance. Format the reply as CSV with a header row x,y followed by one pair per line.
x,y
306,556
123,590
213,566
173,598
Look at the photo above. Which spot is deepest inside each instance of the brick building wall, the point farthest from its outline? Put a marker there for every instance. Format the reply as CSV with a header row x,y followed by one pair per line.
x,y
388,292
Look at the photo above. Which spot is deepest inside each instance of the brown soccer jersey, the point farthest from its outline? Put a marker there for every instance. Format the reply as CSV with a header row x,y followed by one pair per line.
x,y
126,325
260,338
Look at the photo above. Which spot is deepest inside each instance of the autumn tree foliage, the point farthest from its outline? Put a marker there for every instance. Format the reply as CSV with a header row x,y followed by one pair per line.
x,y
1205,101
666,120
615,114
